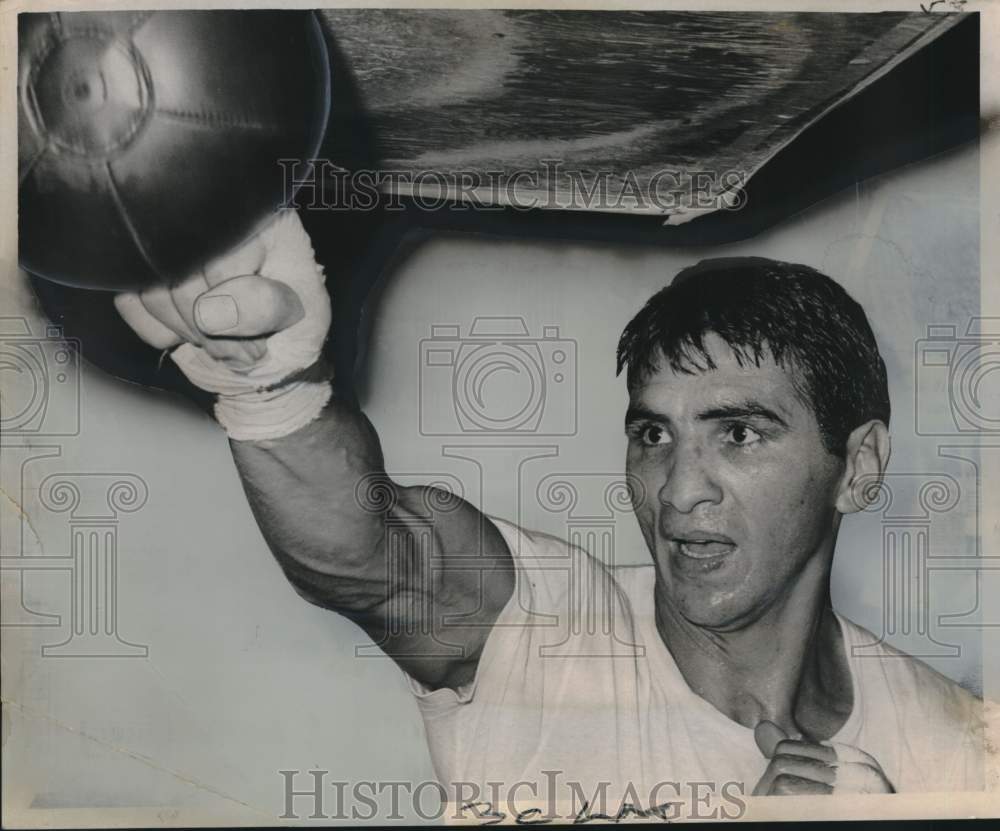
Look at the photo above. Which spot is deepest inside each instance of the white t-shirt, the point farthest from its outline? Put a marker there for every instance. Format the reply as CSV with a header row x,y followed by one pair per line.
x,y
575,680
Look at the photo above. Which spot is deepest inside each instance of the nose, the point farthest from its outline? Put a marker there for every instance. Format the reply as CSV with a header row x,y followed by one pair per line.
x,y
690,481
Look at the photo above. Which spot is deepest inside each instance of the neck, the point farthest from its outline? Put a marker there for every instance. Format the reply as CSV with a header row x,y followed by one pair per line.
x,y
787,666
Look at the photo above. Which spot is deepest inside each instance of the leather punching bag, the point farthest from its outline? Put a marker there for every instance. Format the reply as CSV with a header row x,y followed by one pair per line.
x,y
149,142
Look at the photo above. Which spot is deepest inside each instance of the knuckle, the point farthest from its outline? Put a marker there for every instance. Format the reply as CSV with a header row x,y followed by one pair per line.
x,y
785,763
785,783
277,293
779,764
786,747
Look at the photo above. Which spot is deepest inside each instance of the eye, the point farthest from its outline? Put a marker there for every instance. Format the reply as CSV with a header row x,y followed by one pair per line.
x,y
653,434
741,435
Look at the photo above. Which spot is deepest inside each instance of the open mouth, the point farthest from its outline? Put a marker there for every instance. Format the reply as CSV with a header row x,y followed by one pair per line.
x,y
704,549
701,548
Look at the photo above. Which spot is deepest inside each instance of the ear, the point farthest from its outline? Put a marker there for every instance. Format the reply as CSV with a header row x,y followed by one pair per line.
x,y
867,457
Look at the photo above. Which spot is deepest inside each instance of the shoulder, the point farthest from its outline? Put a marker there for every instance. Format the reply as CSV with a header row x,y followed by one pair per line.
x,y
527,543
925,726
555,572
539,551
915,688
636,583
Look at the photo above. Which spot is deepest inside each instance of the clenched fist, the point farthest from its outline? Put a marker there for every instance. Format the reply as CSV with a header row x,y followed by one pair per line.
x,y
804,767
250,327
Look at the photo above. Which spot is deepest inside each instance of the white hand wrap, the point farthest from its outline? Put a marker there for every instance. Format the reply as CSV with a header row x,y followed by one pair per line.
x,y
269,415
268,400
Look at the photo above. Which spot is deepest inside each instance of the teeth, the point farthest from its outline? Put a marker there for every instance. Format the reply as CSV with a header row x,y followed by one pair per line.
x,y
701,550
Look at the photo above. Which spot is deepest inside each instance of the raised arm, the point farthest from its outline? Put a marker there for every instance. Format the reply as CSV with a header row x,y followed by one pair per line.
x,y
423,572
401,562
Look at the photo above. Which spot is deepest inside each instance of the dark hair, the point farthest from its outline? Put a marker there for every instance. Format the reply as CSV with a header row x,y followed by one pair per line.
x,y
805,321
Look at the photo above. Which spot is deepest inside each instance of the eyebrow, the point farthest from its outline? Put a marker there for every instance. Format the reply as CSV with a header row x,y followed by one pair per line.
x,y
640,413
748,408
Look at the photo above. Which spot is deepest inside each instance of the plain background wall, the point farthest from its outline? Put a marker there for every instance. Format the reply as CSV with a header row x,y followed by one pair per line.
x,y
244,679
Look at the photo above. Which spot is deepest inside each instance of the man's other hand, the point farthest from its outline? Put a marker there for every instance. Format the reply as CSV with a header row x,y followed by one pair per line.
x,y
798,766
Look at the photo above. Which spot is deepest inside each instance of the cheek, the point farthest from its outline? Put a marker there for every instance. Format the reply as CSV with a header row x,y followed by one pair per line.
x,y
789,506
645,481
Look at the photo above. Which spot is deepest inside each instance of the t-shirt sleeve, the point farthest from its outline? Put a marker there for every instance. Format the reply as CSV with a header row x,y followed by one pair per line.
x,y
546,659
559,590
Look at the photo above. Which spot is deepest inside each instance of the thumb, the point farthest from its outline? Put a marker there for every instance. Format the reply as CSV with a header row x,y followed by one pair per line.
x,y
767,734
249,306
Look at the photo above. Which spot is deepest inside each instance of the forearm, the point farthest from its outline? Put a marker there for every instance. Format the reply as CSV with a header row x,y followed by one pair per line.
x,y
307,493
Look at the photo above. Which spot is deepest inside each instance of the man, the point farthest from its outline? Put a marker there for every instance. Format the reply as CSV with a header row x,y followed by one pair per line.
x,y
757,418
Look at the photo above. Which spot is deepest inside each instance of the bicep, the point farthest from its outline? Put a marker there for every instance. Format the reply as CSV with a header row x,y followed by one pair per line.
x,y
449,573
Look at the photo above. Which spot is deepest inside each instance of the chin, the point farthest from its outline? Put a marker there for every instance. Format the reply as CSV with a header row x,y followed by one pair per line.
x,y
719,619
717,597
722,612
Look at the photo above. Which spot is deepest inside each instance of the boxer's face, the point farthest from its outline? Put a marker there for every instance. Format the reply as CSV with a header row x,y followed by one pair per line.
x,y
738,490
